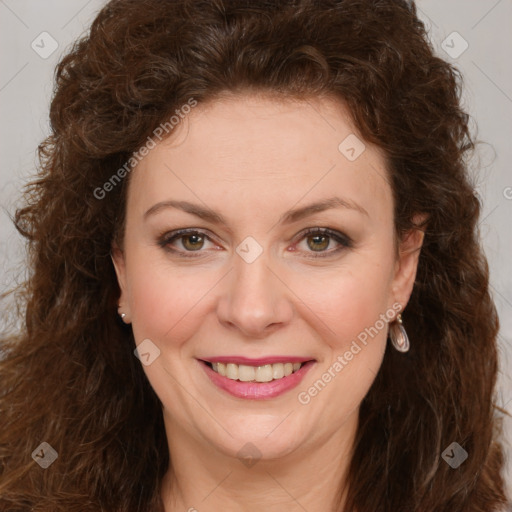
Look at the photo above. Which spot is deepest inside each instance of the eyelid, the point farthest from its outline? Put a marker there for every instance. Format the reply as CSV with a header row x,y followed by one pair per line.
x,y
166,238
343,240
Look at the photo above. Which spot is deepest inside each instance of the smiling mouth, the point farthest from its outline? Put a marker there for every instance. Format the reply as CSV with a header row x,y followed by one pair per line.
x,y
246,373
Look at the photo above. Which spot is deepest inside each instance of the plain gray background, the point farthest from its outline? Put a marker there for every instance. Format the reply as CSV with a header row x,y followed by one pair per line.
x,y
473,34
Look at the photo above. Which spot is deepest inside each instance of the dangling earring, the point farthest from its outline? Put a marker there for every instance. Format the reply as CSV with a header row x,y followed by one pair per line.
x,y
398,335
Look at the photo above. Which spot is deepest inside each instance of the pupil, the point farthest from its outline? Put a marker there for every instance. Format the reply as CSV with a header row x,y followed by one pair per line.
x,y
195,240
192,242
316,238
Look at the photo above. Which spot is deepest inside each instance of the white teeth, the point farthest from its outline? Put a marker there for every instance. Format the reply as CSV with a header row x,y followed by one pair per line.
x,y
232,371
264,373
278,370
246,373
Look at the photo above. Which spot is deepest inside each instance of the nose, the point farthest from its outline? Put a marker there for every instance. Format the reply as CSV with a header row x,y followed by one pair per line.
x,y
255,300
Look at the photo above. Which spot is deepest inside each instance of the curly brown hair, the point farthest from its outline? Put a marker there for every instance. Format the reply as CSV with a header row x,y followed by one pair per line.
x,y
70,377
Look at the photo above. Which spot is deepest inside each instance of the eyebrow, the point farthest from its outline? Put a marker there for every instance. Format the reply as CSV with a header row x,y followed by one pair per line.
x,y
288,217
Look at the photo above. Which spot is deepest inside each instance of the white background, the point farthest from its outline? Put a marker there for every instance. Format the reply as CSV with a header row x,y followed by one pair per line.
x,y
26,82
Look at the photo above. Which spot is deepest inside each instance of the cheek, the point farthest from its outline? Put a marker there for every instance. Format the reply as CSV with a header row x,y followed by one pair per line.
x,y
168,302
165,303
351,316
349,300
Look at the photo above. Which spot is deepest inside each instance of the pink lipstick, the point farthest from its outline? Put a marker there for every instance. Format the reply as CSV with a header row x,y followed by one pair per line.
x,y
254,390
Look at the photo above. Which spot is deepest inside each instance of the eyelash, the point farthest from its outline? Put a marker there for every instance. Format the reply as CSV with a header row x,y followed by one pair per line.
x,y
343,240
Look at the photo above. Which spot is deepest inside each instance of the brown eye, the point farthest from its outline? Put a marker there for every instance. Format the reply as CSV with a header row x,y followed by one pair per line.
x,y
185,242
192,242
318,242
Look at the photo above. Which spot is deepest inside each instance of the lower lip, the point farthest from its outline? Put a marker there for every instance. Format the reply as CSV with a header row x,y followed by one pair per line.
x,y
257,390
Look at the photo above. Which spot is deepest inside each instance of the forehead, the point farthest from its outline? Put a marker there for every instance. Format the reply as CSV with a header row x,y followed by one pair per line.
x,y
268,151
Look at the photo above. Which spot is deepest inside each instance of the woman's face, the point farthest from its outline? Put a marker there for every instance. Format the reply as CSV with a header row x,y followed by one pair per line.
x,y
248,287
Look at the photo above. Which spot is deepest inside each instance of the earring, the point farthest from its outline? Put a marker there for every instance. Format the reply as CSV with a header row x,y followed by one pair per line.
x,y
123,318
122,315
398,335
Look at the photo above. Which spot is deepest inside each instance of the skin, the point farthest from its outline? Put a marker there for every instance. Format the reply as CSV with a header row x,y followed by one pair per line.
x,y
251,158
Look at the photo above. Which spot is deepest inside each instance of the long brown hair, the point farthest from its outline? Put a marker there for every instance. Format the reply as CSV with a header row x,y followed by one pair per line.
x,y
69,377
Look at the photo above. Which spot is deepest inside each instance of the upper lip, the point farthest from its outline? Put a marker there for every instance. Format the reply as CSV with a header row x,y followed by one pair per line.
x,y
260,361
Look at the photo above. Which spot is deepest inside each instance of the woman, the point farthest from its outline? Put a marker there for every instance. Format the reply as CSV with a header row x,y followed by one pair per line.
x,y
256,278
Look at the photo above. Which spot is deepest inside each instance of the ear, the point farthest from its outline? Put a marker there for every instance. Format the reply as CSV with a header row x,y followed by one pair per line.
x,y
407,262
119,262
